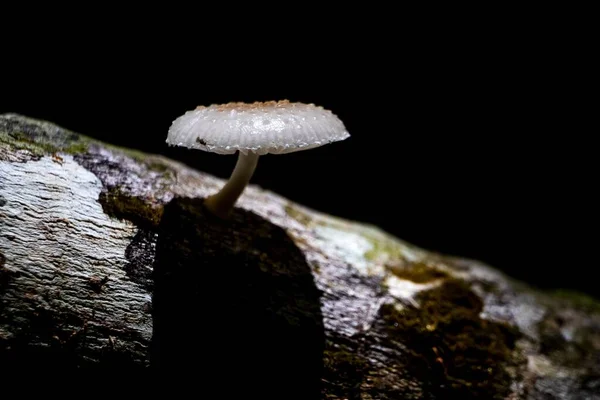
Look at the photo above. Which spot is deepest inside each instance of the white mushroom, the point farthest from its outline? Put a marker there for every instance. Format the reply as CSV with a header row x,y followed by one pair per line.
x,y
253,129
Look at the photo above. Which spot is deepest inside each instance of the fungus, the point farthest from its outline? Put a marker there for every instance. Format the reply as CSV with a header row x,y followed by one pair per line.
x,y
253,130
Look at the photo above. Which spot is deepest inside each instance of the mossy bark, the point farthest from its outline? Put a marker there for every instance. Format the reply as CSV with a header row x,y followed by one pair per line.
x,y
110,262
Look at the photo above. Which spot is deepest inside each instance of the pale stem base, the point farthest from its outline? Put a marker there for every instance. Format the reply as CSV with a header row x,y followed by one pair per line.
x,y
222,203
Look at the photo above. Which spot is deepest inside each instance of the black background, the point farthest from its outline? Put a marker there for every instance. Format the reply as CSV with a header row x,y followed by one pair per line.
x,y
470,131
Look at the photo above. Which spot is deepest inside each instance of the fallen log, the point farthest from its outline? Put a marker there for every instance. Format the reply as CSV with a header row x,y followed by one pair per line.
x,y
109,262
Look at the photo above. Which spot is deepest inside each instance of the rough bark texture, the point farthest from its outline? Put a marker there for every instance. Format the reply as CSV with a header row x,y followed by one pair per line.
x,y
108,261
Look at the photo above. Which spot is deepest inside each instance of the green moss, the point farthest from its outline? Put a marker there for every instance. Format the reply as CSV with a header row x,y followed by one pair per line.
x,y
389,249
459,354
158,166
131,208
78,147
577,300
418,272
136,155
380,247
577,350
385,248
567,338
41,138
17,142
299,216
40,147
151,161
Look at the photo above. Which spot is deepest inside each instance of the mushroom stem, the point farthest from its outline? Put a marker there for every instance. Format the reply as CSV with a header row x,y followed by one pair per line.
x,y
222,203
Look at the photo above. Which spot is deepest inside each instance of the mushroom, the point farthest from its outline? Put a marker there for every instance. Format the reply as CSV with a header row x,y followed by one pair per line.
x,y
253,130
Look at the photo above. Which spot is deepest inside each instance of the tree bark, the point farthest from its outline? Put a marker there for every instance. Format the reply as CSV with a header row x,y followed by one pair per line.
x,y
109,262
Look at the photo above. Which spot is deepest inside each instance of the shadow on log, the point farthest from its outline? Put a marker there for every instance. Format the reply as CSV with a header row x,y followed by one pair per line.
x,y
235,307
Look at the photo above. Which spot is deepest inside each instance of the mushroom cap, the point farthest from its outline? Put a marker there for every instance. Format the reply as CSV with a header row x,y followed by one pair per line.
x,y
274,127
